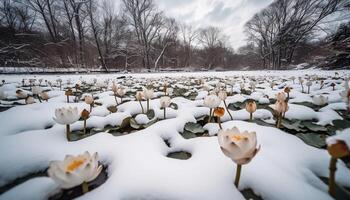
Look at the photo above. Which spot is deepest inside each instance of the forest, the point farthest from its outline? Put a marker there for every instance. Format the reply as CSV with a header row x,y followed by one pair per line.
x,y
137,36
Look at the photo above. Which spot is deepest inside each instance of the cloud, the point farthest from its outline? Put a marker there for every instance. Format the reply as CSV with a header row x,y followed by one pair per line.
x,y
229,15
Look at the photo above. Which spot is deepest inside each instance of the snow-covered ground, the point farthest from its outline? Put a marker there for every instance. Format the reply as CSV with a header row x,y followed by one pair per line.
x,y
138,166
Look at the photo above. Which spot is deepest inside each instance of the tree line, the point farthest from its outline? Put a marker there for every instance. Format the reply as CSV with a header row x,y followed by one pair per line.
x,y
136,34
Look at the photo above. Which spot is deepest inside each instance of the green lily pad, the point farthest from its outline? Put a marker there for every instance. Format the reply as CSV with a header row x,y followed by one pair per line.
x,y
314,127
313,139
181,155
194,128
341,124
296,126
150,114
174,106
188,135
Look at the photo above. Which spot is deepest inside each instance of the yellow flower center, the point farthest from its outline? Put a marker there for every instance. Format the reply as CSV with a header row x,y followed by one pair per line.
x,y
237,137
75,164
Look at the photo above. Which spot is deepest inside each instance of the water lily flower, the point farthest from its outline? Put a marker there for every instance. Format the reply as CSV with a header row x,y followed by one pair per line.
x,y
320,100
59,81
293,79
68,93
241,147
90,101
308,84
75,170
280,96
251,108
139,97
21,94
115,88
218,113
337,149
30,100
148,94
252,85
164,103
36,90
121,92
206,87
280,107
301,81
223,96
211,101
45,96
67,116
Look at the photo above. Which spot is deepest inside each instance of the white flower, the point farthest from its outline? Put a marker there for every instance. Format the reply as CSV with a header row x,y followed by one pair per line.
x,y
36,90
222,95
121,92
212,101
44,96
30,100
206,87
148,93
115,88
165,102
320,100
66,116
280,96
89,100
21,94
169,91
280,107
74,170
139,95
240,147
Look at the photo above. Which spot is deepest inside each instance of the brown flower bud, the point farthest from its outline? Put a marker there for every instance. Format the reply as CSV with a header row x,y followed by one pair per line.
x,y
338,149
85,114
219,112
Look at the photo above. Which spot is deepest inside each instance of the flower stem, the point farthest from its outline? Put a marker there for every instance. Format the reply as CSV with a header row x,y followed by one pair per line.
x,y
147,105
331,181
228,110
164,113
279,120
219,122
251,116
85,187
67,98
84,127
68,132
91,107
143,111
116,101
210,111
238,174
39,98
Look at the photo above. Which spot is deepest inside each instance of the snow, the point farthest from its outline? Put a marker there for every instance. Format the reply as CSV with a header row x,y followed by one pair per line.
x,y
138,166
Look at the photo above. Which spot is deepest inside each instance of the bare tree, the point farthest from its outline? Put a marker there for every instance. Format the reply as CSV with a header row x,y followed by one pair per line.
x,y
188,36
146,21
279,29
166,36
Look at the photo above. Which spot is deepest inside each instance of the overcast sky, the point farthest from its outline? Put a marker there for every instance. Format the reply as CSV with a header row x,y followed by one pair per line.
x,y
230,15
